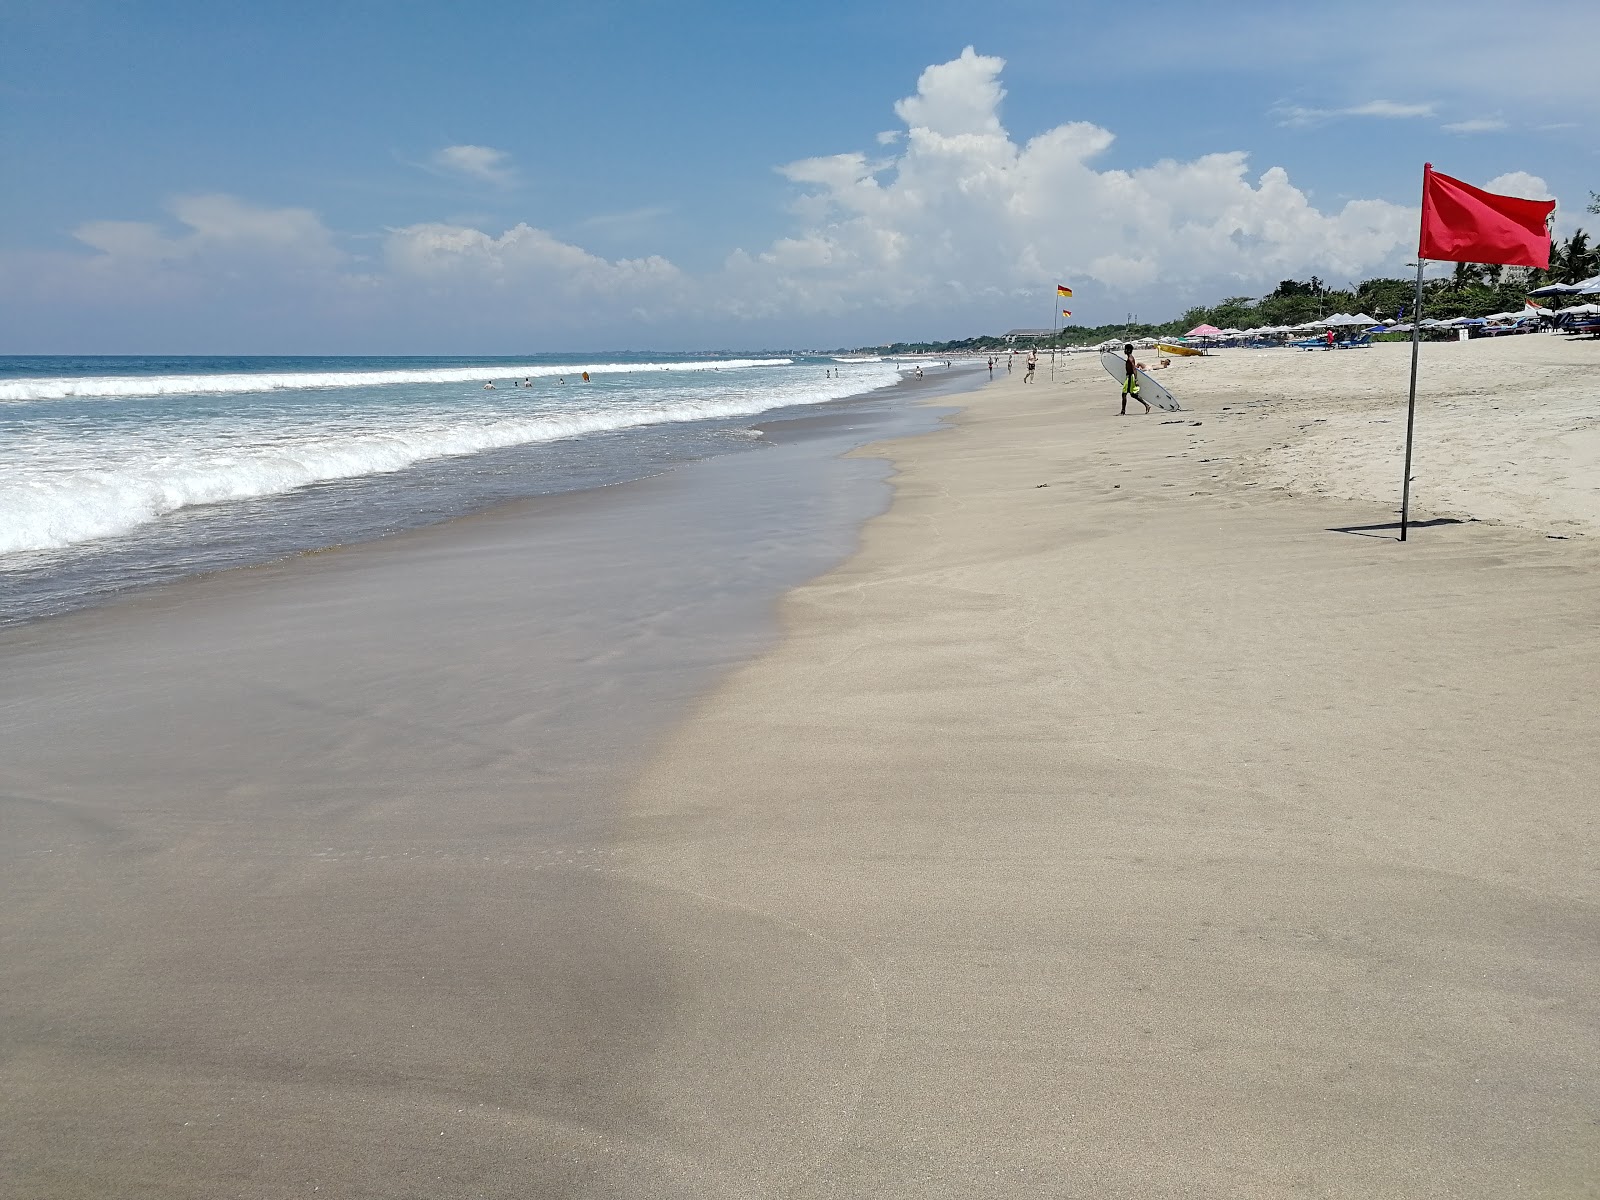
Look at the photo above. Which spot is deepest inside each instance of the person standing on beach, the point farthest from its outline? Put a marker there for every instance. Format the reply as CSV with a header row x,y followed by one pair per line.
x,y
991,366
1033,361
1130,382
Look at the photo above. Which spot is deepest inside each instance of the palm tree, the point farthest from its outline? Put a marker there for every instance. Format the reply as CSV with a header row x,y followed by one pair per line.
x,y
1573,259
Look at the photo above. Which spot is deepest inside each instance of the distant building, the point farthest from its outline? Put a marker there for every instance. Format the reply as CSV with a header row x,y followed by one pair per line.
x,y
1026,335
1513,276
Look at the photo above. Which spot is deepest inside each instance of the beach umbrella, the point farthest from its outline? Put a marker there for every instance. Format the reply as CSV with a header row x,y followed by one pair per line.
x,y
1582,287
1204,331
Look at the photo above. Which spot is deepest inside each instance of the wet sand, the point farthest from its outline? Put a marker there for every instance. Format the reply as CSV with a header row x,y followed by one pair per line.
x,y
296,883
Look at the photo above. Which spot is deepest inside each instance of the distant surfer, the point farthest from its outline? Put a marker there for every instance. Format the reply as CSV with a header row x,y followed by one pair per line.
x,y
1130,382
586,377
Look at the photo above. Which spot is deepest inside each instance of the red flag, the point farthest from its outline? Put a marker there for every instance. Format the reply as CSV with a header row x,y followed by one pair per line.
x,y
1461,223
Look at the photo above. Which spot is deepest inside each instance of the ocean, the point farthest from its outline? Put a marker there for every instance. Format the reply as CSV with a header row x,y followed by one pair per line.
x,y
118,473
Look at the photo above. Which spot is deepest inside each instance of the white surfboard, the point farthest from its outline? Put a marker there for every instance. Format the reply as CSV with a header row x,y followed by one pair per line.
x,y
1152,392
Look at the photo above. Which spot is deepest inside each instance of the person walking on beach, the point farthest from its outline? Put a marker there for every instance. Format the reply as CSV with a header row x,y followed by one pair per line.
x,y
1033,361
991,366
1130,382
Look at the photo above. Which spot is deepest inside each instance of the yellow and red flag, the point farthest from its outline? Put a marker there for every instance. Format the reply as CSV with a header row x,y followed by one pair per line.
x,y
1063,290
1066,312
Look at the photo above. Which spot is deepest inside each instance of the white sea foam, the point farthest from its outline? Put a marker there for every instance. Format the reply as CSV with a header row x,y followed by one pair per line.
x,y
106,387
66,490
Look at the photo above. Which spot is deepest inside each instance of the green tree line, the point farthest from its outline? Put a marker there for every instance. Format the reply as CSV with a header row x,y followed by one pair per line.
x,y
1470,290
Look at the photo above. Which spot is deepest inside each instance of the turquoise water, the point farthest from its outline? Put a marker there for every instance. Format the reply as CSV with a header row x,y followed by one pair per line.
x,y
116,472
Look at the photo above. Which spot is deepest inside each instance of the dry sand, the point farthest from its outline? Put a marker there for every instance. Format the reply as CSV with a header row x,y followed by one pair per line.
x,y
1508,428
1144,835
1110,825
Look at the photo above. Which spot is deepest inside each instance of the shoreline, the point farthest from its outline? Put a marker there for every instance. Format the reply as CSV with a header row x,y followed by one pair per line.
x,y
201,539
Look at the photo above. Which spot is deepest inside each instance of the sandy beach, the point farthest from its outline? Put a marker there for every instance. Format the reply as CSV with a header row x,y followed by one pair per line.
x,y
1131,815
1143,834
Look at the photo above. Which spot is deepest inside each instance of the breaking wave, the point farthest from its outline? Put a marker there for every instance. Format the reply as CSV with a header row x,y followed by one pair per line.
x,y
109,387
153,475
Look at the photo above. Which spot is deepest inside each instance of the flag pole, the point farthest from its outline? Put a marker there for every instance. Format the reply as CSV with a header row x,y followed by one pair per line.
x,y
1411,401
1055,318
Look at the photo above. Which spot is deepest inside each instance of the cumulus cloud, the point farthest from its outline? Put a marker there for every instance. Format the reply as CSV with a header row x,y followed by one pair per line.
x,y
964,212
483,163
215,226
1520,183
1295,116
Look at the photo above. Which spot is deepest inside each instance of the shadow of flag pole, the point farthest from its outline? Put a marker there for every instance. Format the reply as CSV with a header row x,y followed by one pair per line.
x,y
1461,223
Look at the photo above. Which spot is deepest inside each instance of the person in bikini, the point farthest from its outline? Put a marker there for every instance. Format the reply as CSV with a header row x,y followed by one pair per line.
x,y
1130,382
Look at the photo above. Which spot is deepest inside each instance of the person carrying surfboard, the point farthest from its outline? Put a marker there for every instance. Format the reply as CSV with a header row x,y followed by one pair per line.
x,y
1130,382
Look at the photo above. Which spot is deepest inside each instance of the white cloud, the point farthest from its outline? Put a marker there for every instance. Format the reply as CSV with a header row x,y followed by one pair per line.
x,y
1388,108
216,226
1520,183
964,214
1295,116
522,256
483,163
1476,125
888,137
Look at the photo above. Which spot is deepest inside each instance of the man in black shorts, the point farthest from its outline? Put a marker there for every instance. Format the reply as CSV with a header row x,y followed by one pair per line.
x,y
1130,382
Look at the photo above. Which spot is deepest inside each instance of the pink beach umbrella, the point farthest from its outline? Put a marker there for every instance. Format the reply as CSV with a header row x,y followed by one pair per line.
x,y
1204,331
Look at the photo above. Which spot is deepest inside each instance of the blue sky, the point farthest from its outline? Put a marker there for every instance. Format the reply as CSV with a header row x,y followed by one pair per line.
x,y
500,178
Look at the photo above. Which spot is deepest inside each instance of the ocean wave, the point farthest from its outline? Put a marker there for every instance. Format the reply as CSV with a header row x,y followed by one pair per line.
x,y
112,387
51,509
